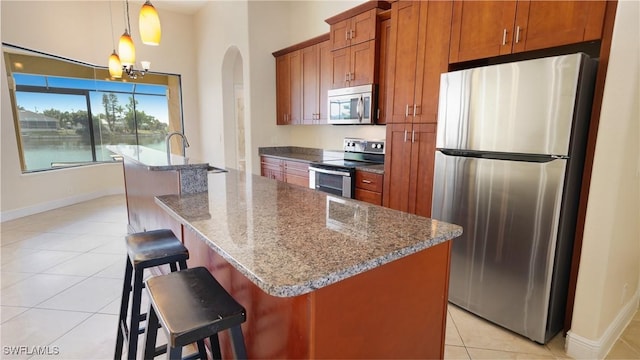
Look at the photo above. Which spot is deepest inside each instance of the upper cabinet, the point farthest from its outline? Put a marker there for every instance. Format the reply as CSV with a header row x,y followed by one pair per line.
x,y
289,88
482,29
354,45
354,30
303,78
419,53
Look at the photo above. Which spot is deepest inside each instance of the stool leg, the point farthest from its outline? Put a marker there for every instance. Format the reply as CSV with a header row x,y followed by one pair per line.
x,y
124,306
237,340
183,264
173,267
215,346
202,351
151,334
174,353
134,324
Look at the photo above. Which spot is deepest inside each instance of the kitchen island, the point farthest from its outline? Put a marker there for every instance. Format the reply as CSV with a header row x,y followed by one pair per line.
x,y
320,276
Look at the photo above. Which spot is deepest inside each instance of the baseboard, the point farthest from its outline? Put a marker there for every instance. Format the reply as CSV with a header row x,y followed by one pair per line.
x,y
58,203
579,347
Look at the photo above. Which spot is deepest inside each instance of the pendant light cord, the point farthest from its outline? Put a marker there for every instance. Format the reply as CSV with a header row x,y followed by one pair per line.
x,y
113,42
128,20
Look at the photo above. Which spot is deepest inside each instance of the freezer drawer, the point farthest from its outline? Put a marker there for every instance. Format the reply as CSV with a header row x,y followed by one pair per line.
x,y
502,265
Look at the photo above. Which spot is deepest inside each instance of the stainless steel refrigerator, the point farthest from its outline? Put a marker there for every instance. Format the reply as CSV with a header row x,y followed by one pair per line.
x,y
509,160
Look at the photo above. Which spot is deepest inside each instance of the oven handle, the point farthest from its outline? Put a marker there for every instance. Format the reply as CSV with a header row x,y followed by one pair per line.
x,y
329,172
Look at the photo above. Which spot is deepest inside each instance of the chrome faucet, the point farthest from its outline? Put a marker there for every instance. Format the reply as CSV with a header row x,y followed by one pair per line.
x,y
167,139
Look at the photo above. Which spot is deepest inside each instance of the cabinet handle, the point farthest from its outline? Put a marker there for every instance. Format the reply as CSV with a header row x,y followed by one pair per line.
x,y
352,76
504,36
366,181
346,35
406,114
413,136
414,109
405,136
352,33
517,34
346,77
378,114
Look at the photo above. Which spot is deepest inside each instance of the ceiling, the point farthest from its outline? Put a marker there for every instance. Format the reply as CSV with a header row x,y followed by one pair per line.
x,y
188,7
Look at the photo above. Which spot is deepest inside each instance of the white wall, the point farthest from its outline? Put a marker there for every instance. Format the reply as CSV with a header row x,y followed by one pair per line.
x,y
81,30
608,290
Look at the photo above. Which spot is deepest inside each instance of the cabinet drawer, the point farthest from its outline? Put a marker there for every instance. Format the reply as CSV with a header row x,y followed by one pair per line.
x,y
371,197
271,162
296,168
369,181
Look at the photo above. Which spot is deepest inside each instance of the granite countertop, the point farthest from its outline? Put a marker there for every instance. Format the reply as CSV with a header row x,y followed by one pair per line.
x,y
300,153
155,159
290,240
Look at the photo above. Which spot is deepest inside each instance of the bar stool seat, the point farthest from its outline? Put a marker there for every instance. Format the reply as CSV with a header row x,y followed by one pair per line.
x,y
191,305
144,250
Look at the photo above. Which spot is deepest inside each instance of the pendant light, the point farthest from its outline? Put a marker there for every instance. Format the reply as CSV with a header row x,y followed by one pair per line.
x,y
149,24
115,67
126,49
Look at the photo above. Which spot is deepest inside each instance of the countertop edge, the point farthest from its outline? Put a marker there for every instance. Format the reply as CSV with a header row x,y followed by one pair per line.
x,y
151,167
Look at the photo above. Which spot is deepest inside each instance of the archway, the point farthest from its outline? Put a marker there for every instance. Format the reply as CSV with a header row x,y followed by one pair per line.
x,y
233,110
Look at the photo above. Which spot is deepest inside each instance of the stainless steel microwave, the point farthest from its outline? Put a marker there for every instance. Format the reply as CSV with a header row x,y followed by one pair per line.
x,y
352,105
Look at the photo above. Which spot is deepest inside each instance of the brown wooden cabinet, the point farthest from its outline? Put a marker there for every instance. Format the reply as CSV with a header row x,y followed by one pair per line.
x,y
385,53
316,81
303,77
289,88
354,65
368,187
419,48
354,30
289,171
408,167
482,29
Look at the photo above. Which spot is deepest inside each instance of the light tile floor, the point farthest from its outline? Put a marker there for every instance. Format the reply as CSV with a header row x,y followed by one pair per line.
x,y
61,274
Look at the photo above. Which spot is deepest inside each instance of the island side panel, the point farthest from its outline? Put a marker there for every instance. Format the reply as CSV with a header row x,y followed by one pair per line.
x,y
276,327
142,186
397,310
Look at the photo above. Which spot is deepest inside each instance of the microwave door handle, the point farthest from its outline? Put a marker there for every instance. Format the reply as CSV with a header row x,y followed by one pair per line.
x,y
360,108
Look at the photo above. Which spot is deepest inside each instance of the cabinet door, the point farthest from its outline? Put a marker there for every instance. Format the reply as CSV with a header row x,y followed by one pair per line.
x,y
397,167
405,18
362,63
325,77
272,168
339,34
296,87
310,84
423,147
543,24
363,27
283,89
433,58
340,68
383,71
481,29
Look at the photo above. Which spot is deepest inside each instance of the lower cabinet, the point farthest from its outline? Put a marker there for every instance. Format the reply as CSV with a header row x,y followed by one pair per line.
x,y
408,165
289,171
369,187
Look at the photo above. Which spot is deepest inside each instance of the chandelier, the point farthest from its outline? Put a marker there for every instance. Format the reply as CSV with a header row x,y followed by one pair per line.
x,y
124,60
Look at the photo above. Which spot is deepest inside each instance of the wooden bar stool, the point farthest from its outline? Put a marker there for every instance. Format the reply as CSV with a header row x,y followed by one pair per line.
x,y
191,306
144,250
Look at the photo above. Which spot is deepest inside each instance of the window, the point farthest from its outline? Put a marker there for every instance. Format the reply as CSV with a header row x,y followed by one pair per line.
x,y
66,113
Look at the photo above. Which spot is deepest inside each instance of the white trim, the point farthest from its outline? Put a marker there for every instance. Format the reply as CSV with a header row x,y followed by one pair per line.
x,y
58,203
579,347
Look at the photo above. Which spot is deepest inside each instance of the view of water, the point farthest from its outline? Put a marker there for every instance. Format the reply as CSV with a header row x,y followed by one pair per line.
x,y
41,153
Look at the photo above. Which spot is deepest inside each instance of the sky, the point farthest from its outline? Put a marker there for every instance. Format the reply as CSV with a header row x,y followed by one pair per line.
x,y
37,102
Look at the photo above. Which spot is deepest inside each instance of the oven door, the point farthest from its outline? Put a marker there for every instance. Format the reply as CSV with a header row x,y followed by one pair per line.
x,y
336,181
